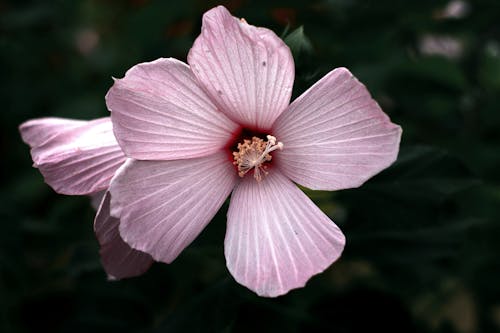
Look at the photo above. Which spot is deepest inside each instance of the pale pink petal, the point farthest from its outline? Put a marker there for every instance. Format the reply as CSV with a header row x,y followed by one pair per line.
x,y
159,112
248,71
118,258
37,132
164,205
277,238
335,135
77,157
96,199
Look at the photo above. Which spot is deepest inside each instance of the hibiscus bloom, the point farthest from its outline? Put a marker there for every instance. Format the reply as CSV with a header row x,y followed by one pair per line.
x,y
223,123
78,157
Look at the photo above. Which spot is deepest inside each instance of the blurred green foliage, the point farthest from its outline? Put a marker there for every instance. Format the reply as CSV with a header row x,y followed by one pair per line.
x,y
422,253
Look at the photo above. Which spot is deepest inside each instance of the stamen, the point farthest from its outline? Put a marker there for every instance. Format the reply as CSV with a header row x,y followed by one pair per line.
x,y
252,154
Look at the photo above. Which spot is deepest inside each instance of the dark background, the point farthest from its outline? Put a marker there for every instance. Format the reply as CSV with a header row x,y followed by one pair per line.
x,y
422,252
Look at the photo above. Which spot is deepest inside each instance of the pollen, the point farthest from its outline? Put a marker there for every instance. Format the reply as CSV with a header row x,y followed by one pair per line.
x,y
253,154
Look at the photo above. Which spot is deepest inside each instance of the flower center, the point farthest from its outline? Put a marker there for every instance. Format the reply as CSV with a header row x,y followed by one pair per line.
x,y
253,154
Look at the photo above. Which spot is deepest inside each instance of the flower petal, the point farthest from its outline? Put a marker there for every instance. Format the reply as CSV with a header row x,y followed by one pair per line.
x,y
277,238
75,157
160,113
335,135
118,258
248,71
96,199
37,132
164,205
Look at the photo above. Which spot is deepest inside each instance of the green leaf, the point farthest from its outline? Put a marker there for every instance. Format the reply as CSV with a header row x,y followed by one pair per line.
x,y
434,69
424,173
298,42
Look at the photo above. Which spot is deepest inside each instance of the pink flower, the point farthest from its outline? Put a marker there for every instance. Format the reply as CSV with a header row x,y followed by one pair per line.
x,y
195,133
80,157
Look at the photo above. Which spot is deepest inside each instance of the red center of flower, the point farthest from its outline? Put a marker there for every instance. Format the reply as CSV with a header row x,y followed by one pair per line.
x,y
251,153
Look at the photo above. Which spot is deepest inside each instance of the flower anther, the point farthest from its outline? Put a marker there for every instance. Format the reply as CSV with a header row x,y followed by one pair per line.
x,y
253,154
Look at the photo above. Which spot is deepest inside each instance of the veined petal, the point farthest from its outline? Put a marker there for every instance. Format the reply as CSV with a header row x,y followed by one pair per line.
x,y
75,157
248,71
277,238
37,132
159,112
96,199
335,135
118,258
164,205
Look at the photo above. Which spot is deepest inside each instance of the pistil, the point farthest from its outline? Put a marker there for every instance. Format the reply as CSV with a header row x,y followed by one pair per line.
x,y
253,154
